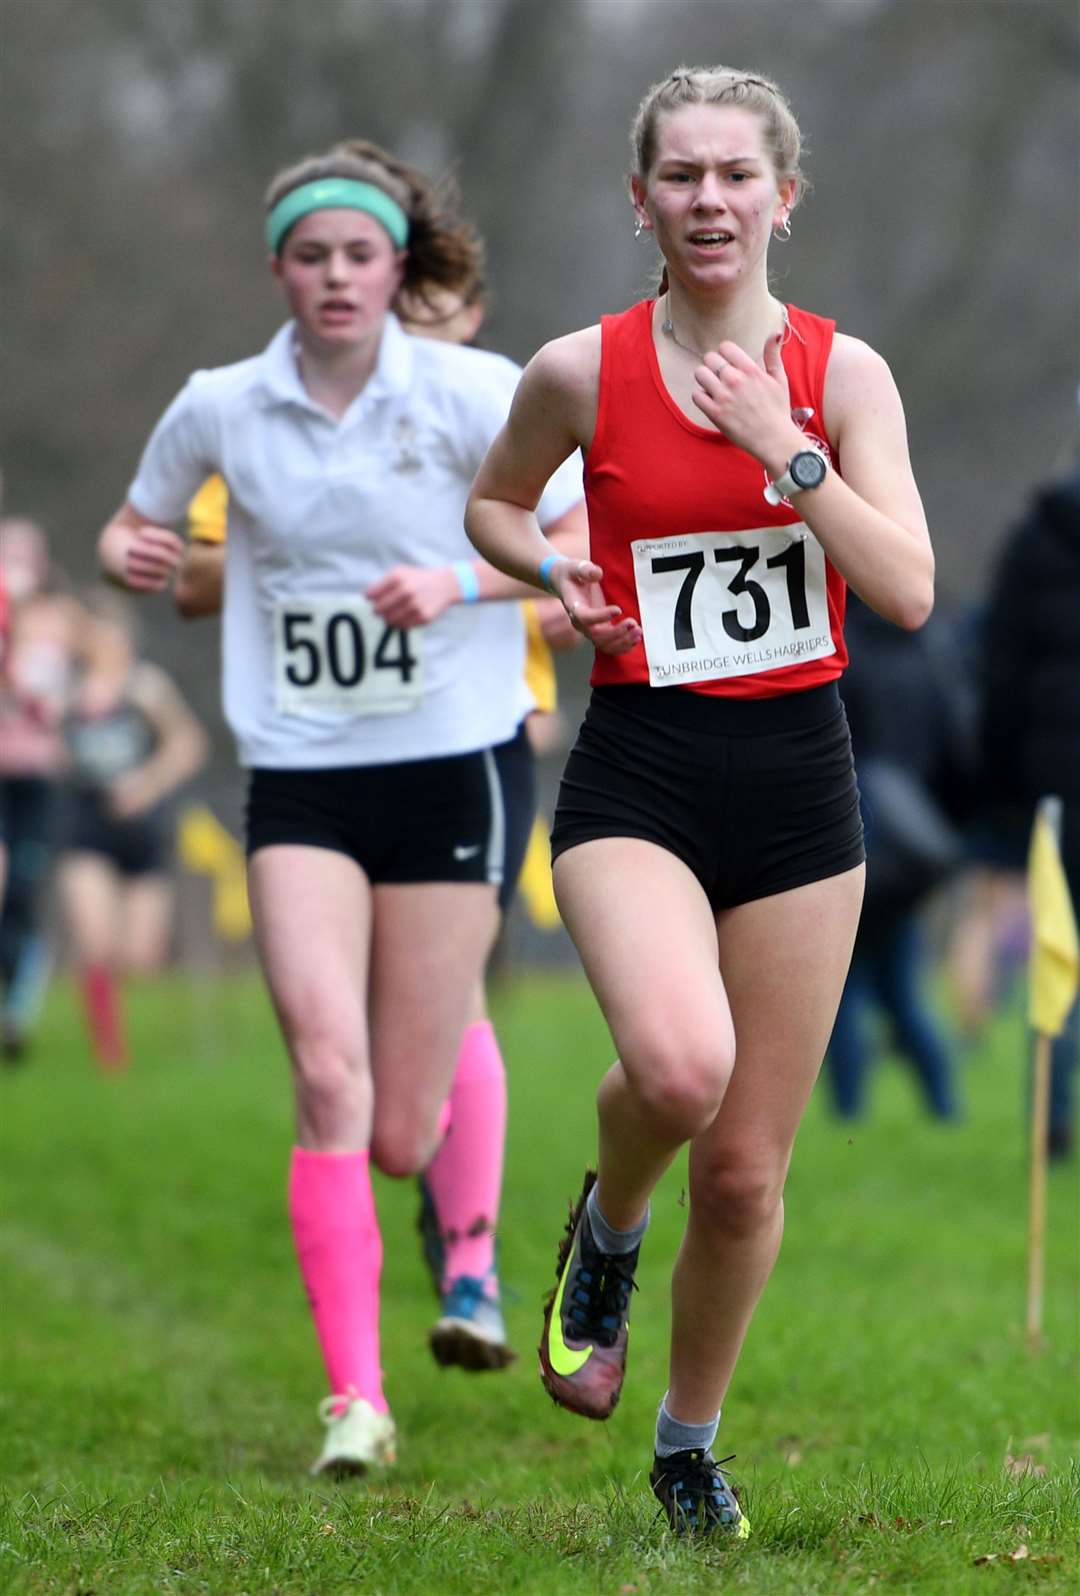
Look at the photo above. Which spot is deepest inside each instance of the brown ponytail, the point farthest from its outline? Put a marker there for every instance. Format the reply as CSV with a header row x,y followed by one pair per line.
x,y
444,251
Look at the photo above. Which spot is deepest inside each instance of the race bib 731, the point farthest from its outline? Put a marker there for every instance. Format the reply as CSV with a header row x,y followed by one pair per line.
x,y
717,604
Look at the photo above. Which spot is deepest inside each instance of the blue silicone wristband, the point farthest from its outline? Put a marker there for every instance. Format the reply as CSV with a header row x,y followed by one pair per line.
x,y
467,581
545,569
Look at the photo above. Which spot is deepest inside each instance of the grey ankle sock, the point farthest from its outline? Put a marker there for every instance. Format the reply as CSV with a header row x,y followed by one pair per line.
x,y
672,1435
605,1236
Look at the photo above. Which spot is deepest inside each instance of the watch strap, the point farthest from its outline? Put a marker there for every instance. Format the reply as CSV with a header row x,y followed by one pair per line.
x,y
782,487
777,491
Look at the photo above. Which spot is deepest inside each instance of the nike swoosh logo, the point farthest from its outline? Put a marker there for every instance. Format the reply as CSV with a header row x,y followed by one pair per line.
x,y
466,853
563,1359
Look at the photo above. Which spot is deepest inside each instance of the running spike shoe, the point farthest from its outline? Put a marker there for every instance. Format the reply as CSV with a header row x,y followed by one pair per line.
x,y
583,1347
431,1241
697,1498
357,1438
470,1333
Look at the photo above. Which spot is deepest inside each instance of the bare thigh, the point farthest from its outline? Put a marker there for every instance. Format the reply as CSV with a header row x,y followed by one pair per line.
x,y
430,943
646,934
90,894
146,923
312,913
784,959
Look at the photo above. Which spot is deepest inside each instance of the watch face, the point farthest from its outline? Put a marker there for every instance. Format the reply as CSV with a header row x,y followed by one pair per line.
x,y
807,469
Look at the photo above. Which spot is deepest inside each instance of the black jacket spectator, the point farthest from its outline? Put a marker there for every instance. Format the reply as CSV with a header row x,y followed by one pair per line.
x,y
911,708
1031,655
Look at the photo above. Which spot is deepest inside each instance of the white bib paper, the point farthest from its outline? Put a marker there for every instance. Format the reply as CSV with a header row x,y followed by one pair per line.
x,y
336,655
717,604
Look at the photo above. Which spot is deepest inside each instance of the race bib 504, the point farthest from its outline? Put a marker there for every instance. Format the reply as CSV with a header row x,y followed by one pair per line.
x,y
337,655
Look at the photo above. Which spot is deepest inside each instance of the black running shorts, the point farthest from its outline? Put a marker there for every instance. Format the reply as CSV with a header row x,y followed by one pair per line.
x,y
421,820
516,767
139,846
755,796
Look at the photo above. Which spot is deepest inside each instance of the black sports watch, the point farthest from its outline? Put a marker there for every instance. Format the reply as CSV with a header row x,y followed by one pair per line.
x,y
804,471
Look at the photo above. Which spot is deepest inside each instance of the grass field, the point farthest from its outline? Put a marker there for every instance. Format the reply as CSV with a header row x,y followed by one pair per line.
x,y
160,1374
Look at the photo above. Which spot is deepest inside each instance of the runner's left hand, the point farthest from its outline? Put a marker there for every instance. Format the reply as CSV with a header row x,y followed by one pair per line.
x,y
128,795
748,401
414,595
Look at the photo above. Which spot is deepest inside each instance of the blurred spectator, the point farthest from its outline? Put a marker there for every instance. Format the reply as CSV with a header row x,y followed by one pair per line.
x,y
912,724
5,622
46,637
989,940
132,742
1030,715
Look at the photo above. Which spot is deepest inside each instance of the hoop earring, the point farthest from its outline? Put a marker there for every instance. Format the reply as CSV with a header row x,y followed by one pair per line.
x,y
783,232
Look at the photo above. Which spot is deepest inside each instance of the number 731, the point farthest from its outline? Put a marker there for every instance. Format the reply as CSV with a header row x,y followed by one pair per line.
x,y
791,560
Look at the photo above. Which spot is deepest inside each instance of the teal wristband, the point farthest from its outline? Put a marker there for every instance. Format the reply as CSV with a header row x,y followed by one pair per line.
x,y
467,581
545,569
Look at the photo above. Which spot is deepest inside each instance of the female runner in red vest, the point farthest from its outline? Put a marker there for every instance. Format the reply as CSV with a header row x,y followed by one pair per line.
x,y
742,464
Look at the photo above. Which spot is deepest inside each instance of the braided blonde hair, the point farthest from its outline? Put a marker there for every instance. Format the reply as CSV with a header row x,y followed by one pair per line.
x,y
719,85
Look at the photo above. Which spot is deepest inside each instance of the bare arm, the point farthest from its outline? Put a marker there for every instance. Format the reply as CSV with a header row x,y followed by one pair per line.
x,y
200,580
181,750
413,595
870,521
553,414
136,553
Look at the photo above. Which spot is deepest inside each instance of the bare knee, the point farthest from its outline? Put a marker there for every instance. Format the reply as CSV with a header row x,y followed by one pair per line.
x,y
739,1200
680,1082
401,1149
332,1084
141,962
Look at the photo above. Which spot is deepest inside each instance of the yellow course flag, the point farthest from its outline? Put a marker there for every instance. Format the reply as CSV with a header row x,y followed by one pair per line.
x,y
209,850
1055,951
535,880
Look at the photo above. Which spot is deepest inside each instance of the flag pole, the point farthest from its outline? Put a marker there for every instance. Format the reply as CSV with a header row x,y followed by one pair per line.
x,y
1040,1126
1050,811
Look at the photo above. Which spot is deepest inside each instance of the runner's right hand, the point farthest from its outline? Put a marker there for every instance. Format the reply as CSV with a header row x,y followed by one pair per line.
x,y
577,582
149,558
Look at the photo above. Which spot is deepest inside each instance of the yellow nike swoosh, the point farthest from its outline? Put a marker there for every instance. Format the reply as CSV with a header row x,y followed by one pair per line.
x,y
563,1359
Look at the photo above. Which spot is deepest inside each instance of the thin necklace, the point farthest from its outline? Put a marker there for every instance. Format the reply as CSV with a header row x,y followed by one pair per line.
x,y
668,326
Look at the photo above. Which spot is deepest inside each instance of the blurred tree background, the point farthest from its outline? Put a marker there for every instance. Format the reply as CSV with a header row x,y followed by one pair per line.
x,y
140,134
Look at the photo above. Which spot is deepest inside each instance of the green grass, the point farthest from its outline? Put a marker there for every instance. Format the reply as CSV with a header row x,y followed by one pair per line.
x,y
160,1375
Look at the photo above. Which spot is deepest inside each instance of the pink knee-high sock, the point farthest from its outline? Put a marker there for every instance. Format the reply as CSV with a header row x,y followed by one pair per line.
x,y
336,1231
465,1176
101,999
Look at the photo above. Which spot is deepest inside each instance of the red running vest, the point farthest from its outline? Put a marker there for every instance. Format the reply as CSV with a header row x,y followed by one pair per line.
x,y
735,595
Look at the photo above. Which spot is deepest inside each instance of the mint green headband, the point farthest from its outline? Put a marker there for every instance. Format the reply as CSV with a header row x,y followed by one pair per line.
x,y
334,194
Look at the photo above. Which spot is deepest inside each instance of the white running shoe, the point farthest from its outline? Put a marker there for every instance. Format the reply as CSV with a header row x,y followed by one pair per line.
x,y
356,1438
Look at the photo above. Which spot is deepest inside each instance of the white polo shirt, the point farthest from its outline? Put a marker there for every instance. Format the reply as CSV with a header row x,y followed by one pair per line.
x,y
319,509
